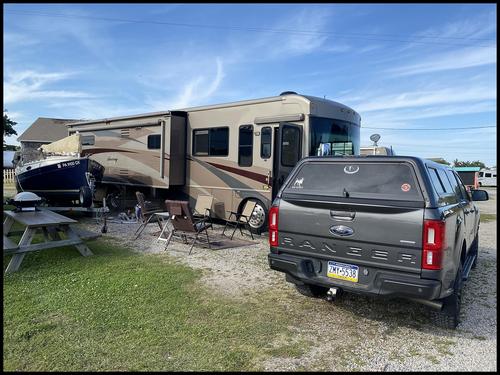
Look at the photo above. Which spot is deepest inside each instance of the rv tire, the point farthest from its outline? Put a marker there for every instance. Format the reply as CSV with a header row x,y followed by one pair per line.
x,y
85,196
258,221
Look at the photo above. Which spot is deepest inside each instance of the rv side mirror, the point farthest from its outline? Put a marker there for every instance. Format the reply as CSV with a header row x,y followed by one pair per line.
x,y
479,195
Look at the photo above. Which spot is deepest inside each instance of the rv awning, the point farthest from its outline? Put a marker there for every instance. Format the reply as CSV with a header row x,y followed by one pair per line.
x,y
66,145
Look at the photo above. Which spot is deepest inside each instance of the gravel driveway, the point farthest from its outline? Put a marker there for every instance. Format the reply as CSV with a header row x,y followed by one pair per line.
x,y
354,332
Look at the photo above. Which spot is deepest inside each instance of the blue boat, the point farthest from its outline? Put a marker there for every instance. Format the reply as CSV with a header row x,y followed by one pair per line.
x,y
60,178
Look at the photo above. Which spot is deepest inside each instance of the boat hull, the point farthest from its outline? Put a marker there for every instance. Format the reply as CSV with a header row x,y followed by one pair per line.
x,y
60,180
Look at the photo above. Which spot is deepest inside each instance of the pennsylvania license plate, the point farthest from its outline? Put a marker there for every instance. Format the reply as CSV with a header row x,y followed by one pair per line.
x,y
343,271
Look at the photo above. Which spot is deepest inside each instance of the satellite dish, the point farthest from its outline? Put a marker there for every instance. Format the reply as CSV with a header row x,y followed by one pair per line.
x,y
375,138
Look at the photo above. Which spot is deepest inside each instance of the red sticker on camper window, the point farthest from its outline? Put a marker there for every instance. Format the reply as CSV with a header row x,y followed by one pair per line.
x,y
405,187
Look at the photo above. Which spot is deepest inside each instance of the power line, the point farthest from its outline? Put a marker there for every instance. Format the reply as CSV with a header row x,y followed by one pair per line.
x,y
259,29
467,128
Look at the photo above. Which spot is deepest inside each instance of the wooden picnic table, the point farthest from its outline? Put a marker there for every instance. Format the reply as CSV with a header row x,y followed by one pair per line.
x,y
50,224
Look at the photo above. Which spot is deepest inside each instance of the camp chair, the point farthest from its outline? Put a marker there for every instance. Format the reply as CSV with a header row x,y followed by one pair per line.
x,y
240,219
147,212
203,207
184,225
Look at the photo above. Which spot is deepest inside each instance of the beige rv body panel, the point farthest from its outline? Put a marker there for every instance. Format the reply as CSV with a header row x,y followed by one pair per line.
x,y
121,145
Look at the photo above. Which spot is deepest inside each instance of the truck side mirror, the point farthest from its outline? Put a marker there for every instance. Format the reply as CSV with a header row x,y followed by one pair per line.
x,y
479,195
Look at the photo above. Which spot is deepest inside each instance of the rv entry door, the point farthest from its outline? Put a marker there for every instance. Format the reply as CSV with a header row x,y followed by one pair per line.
x,y
287,152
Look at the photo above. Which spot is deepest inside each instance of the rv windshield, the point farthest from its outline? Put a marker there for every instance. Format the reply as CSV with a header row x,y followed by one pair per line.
x,y
333,137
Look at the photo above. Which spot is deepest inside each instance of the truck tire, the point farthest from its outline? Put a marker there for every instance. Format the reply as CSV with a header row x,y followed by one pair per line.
x,y
449,316
85,196
309,290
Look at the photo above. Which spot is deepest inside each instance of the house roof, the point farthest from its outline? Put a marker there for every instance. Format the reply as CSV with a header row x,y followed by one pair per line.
x,y
46,130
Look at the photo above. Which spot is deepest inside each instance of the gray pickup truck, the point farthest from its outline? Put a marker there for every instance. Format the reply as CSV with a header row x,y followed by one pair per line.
x,y
391,226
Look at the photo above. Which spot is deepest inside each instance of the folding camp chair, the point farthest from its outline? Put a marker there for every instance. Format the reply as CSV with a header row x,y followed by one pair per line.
x,y
203,207
146,214
184,225
240,219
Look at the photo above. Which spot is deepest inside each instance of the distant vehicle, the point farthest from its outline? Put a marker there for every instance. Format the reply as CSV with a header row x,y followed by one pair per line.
x,y
487,177
376,150
394,226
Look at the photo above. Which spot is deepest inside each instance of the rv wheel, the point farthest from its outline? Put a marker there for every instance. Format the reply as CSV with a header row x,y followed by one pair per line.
x,y
85,196
259,217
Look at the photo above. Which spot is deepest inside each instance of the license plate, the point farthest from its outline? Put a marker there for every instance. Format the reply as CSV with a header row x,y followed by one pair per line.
x,y
343,271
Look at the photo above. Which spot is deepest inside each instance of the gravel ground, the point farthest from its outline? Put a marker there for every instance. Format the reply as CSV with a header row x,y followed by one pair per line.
x,y
354,332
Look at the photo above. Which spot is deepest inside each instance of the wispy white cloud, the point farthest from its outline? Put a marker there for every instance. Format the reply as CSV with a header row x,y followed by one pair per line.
x,y
195,91
464,58
426,97
28,85
18,40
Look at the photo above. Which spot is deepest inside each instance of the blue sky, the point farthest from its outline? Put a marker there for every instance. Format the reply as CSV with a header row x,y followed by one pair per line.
x,y
402,66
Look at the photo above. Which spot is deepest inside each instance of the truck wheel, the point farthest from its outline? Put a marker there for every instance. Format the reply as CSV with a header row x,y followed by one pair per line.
x,y
449,316
309,290
475,249
85,196
258,221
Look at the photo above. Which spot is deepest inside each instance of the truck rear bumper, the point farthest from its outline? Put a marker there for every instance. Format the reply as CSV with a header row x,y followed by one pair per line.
x,y
381,282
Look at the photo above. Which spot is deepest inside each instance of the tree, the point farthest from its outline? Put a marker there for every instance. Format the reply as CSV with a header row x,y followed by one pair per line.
x,y
476,163
8,127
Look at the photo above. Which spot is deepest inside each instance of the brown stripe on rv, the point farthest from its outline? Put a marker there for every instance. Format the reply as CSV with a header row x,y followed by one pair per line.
x,y
93,151
251,175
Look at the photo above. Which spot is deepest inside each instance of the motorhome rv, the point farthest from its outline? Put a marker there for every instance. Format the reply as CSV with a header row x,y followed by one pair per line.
x,y
233,151
488,177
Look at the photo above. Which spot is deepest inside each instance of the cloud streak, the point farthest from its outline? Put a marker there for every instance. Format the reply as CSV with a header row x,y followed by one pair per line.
x,y
465,58
31,85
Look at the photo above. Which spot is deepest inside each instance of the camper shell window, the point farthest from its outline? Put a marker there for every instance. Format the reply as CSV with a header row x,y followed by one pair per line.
x,y
154,141
211,142
245,149
87,140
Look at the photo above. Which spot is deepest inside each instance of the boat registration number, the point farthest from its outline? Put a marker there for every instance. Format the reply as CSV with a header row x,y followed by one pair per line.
x,y
68,164
343,271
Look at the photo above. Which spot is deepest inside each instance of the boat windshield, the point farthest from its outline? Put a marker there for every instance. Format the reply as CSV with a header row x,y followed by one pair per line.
x,y
333,137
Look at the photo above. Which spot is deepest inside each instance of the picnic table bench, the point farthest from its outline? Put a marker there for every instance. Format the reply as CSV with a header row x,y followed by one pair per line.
x,y
51,225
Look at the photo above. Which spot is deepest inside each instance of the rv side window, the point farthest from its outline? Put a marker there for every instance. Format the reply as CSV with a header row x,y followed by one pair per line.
x,y
290,146
87,140
487,175
211,142
219,142
245,146
154,141
265,142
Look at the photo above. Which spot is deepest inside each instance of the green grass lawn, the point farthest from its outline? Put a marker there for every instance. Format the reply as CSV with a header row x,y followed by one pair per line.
x,y
118,310
488,217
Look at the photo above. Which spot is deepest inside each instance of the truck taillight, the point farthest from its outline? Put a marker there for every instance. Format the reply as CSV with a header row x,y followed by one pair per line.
x,y
273,225
433,244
